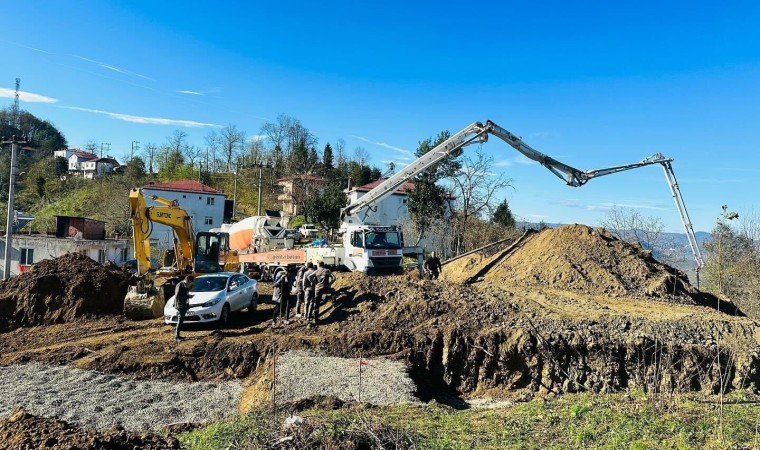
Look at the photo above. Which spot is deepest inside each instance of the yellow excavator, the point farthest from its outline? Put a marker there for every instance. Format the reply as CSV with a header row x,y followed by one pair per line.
x,y
206,252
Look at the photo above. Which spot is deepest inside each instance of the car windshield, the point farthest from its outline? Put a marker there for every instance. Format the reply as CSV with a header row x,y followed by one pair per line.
x,y
383,239
209,284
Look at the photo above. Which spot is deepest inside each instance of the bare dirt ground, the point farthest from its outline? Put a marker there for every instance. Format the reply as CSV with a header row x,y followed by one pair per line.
x,y
571,309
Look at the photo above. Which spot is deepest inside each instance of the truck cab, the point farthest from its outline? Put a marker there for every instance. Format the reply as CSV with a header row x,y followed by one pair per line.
x,y
373,249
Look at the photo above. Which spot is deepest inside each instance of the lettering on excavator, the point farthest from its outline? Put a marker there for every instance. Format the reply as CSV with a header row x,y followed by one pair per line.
x,y
164,215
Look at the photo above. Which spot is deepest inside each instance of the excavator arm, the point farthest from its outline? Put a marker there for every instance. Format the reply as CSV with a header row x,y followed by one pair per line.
x,y
170,214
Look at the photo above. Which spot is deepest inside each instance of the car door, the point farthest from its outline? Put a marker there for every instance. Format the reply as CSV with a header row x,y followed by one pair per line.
x,y
239,293
233,293
247,291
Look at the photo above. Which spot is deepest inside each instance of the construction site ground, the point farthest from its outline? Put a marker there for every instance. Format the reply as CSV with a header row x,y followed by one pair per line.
x,y
561,311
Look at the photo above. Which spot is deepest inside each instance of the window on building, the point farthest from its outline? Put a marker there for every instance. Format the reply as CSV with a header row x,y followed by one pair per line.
x,y
209,220
27,256
124,254
210,201
102,256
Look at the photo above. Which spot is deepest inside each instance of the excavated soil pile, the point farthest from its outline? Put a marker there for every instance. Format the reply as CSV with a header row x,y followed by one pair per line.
x,y
591,261
61,290
22,430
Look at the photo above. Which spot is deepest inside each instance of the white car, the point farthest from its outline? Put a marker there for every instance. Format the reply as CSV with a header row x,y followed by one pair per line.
x,y
215,296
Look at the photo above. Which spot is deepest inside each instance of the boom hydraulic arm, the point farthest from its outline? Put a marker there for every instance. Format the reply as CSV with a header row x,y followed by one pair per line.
x,y
478,133
170,214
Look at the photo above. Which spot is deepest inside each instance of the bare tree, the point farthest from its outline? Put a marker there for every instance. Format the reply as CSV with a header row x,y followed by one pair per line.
x,y
232,139
192,154
475,188
149,151
277,131
630,225
91,146
361,156
213,144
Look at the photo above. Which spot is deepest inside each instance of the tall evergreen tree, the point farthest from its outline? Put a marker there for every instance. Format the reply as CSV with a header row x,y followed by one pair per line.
x,y
327,160
503,215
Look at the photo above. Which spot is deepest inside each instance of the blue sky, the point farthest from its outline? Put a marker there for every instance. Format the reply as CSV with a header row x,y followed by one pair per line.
x,y
593,84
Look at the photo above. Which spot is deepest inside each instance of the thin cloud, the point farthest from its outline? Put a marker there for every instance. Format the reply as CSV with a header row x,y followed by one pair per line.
x,y
112,67
538,216
407,155
27,97
190,92
509,162
146,120
522,159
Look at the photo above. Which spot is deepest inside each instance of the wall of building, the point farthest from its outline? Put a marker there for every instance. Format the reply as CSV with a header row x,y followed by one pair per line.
x,y
391,210
196,204
47,247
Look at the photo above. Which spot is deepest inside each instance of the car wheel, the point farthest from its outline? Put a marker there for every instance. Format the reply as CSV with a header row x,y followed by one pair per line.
x,y
224,317
254,303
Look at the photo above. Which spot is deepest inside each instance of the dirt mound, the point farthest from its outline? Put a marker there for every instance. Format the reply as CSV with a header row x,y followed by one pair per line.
x,y
591,261
23,430
61,290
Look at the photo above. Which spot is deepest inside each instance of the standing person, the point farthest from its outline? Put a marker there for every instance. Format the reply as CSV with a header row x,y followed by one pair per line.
x,y
279,293
182,303
298,289
309,286
433,266
323,286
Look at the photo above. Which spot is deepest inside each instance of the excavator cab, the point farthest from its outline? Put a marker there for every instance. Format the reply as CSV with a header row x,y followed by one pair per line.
x,y
211,252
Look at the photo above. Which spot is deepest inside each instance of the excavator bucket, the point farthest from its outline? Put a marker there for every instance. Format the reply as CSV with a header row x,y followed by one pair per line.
x,y
146,301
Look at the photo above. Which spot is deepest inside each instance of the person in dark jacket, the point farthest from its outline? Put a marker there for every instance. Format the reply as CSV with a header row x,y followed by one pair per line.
x,y
298,289
182,302
432,266
280,295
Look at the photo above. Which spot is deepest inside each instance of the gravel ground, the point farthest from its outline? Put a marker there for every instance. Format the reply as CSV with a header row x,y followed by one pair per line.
x,y
95,400
302,375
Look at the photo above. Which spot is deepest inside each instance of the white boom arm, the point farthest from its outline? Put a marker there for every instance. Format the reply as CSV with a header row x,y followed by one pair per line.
x,y
478,133
473,133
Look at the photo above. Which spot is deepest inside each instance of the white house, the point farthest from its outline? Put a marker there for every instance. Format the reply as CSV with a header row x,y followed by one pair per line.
x,y
98,167
204,204
75,157
391,210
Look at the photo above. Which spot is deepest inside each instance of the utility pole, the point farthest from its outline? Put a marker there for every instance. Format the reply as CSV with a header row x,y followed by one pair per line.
x,y
11,209
135,146
15,111
260,165
234,194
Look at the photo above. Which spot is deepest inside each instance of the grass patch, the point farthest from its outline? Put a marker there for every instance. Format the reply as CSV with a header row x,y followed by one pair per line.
x,y
568,422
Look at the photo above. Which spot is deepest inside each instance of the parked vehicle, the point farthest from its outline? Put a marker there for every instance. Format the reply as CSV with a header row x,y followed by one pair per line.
x,y
308,231
215,296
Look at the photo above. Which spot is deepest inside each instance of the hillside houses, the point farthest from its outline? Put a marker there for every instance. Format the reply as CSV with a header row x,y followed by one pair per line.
x,y
87,165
